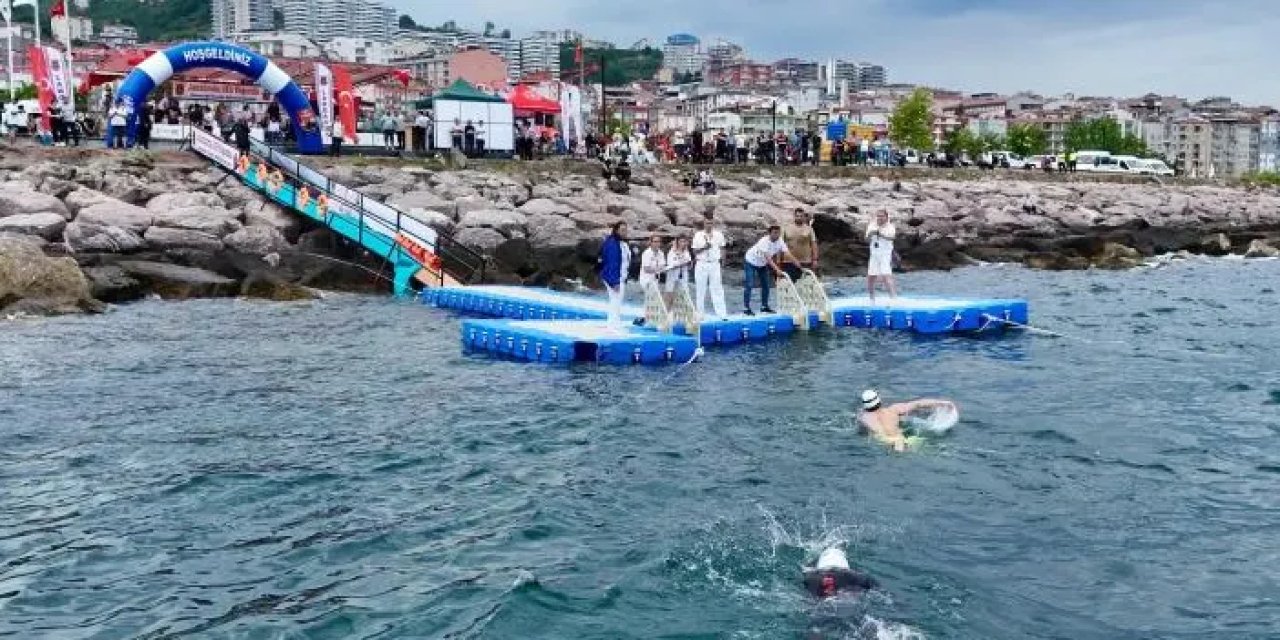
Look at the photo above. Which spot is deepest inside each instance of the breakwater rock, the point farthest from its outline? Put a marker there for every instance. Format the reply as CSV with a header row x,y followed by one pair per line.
x,y
136,224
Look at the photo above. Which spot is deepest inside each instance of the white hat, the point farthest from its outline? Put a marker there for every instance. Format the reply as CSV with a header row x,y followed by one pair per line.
x,y
870,400
832,559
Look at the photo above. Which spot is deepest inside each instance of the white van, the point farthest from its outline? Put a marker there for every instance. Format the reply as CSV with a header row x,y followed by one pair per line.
x,y
1132,164
1088,161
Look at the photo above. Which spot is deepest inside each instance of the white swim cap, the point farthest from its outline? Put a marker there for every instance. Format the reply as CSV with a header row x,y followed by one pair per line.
x,y
832,559
870,400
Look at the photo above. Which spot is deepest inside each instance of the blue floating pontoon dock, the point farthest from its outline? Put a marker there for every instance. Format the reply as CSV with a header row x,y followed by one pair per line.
x,y
542,325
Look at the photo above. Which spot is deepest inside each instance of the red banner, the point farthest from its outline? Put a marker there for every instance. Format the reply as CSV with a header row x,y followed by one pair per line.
x,y
44,90
346,101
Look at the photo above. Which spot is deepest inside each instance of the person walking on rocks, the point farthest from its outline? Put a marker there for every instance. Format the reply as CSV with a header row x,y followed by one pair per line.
x,y
803,243
613,264
880,234
708,245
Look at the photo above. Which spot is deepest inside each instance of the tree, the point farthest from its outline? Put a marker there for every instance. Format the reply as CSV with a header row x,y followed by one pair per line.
x,y
1027,140
407,22
1102,134
911,124
988,141
488,29
960,142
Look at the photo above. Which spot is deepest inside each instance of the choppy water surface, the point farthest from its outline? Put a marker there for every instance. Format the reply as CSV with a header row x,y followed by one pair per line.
x,y
231,469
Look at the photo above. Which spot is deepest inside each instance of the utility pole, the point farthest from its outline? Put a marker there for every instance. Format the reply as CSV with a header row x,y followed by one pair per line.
x,y
773,133
603,130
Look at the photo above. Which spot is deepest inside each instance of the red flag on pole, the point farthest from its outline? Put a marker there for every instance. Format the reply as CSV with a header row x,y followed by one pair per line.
x,y
402,75
58,9
347,104
44,90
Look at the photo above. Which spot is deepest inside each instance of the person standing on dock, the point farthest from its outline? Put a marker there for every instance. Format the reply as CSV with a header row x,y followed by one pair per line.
x,y
803,244
678,261
708,245
760,266
880,234
613,264
652,263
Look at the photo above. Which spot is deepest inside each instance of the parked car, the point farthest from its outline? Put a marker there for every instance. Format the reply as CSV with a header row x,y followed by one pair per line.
x,y
1132,164
1010,160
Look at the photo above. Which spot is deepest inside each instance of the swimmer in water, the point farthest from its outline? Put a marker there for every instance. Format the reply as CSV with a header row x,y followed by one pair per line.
x,y
885,421
831,576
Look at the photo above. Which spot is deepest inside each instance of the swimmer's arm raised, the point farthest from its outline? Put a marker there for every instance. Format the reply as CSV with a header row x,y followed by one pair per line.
x,y
923,403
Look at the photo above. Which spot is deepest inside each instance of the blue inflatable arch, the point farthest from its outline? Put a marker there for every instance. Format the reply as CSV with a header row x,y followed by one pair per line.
x,y
161,66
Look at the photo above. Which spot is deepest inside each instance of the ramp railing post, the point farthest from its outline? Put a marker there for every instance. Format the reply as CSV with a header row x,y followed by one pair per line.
x,y
684,312
814,295
790,303
655,308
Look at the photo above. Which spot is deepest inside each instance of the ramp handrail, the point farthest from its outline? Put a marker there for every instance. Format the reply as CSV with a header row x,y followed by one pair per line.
x,y
458,260
406,233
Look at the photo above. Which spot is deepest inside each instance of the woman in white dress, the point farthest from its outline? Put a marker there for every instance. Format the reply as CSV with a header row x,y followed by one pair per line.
x,y
880,235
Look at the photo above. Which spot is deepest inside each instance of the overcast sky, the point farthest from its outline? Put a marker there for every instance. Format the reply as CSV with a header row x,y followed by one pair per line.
x,y
1194,48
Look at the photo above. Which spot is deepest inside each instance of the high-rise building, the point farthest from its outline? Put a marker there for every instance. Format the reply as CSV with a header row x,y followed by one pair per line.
x,y
859,75
540,53
683,53
238,16
324,20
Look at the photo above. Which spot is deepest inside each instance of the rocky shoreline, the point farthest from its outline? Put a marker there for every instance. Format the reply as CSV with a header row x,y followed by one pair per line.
x,y
82,227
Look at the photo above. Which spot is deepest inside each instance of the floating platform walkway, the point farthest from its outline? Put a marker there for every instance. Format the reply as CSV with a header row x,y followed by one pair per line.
x,y
542,325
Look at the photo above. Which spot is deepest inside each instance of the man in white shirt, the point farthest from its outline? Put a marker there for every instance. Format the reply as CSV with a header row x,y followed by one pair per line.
x,y
708,245
760,266
880,234
678,261
652,263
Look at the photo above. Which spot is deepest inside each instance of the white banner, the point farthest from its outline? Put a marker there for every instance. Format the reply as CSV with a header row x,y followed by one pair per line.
x,y
571,114
57,66
324,98
214,149
170,131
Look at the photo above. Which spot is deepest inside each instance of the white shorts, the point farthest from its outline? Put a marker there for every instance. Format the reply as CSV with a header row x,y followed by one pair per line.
x,y
881,263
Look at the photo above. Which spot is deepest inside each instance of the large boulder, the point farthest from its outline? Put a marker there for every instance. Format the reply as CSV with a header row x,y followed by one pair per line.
x,y
110,283
593,220
509,223
467,204
164,238
184,199
544,206
114,213
217,221
82,198
260,213
236,195
131,189
1261,249
89,237
552,231
176,282
19,198
434,219
256,241
481,239
45,225
31,282
420,200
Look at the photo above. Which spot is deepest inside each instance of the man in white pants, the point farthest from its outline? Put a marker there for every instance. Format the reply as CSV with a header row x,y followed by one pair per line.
x,y
708,245
880,234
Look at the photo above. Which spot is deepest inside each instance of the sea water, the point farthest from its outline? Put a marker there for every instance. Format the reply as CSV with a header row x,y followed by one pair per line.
x,y
340,469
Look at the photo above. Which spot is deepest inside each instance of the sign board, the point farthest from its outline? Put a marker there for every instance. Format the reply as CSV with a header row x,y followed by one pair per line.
x,y
211,147
220,91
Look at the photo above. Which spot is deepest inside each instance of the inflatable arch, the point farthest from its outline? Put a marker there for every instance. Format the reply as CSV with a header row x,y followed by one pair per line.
x,y
161,66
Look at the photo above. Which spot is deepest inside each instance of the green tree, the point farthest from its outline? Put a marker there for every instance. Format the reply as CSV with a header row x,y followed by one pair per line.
x,y
1102,134
621,66
21,92
1027,140
616,125
407,22
911,124
277,19
960,142
988,141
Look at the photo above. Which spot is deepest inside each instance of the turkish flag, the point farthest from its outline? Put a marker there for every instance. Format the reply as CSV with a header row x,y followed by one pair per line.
x,y
346,101
58,9
44,90
402,75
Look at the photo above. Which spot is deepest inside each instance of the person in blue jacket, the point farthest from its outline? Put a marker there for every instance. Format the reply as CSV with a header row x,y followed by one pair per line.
x,y
613,264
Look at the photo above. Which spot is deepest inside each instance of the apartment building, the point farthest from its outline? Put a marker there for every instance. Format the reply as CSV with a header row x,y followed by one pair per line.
x,y
1269,144
238,16
324,20
1234,146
